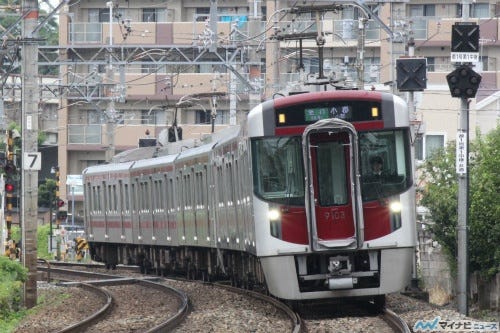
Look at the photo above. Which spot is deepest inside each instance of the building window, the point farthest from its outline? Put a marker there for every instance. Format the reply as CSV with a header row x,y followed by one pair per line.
x,y
431,64
101,15
202,117
148,68
422,10
480,10
154,15
222,117
477,10
153,117
427,144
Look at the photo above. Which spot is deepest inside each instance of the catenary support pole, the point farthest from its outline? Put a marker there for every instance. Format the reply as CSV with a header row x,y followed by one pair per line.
x,y
29,184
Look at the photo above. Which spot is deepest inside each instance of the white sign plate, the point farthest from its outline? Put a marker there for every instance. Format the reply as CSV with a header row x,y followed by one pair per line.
x,y
32,161
465,57
461,152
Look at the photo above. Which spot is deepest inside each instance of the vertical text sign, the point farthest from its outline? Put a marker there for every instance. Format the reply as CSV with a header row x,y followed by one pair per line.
x,y
461,152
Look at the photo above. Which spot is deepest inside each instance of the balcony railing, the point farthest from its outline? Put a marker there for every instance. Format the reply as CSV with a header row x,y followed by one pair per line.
x,y
84,134
85,33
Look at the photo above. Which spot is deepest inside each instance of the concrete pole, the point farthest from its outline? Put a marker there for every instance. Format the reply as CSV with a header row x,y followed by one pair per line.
x,y
463,201
110,109
272,51
413,131
360,66
29,185
463,207
254,57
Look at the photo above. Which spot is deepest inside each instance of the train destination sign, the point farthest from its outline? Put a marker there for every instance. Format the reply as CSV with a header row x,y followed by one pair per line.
x,y
311,113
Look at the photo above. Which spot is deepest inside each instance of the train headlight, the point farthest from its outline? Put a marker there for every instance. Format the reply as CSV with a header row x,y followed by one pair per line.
x,y
395,207
396,220
274,215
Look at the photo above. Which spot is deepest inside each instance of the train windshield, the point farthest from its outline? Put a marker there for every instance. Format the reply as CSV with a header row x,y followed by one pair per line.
x,y
385,163
278,170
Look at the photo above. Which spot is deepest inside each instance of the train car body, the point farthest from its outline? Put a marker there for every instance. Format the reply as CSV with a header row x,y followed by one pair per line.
x,y
289,200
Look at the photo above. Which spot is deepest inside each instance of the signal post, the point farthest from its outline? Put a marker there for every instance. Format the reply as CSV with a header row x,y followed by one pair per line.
x,y
463,83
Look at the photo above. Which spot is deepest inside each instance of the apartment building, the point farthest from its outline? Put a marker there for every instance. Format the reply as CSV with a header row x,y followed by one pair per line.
x,y
128,67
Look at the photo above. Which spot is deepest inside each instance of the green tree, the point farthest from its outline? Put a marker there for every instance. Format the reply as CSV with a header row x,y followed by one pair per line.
x,y
49,33
440,196
484,205
46,192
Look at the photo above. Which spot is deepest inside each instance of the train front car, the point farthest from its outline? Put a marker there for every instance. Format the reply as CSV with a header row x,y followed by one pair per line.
x,y
333,194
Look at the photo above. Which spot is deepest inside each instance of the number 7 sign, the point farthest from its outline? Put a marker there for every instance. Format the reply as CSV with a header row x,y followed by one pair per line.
x,y
32,161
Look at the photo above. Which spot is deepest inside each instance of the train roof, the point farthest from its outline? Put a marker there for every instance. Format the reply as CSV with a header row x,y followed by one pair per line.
x,y
146,157
112,167
149,162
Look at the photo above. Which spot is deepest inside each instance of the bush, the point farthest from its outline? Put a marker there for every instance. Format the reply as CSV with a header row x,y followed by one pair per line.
x,y
12,276
43,233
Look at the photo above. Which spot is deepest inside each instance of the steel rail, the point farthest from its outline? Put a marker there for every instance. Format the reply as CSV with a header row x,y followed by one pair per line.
x,y
395,321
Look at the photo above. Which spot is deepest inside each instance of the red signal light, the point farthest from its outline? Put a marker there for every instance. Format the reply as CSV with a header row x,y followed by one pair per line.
x,y
60,203
9,188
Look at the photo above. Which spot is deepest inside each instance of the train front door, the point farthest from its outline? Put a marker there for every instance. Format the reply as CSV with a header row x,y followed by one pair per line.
x,y
333,200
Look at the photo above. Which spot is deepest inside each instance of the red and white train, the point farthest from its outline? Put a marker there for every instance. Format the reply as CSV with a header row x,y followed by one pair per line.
x,y
287,200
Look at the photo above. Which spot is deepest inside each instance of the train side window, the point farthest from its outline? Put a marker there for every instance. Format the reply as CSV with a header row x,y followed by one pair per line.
x,y
237,182
170,196
229,184
126,198
197,194
159,195
98,198
180,192
149,188
133,195
119,196
192,189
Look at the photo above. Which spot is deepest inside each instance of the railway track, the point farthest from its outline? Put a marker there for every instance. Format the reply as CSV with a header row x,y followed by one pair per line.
x,y
350,315
160,307
385,321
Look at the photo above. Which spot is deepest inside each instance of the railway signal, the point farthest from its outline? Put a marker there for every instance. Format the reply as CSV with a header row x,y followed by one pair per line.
x,y
463,82
411,74
9,169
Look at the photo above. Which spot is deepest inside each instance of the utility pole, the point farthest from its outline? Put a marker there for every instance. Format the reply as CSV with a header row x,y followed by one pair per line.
x,y
110,75
254,57
272,50
360,59
29,176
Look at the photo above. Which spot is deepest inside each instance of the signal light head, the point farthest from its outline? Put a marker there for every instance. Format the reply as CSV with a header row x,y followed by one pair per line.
x,y
9,188
463,82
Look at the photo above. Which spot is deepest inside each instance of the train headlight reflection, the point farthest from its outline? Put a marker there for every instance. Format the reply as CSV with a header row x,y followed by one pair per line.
x,y
274,215
395,207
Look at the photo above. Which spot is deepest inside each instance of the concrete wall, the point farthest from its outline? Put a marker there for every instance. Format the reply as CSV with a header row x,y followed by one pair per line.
x,y
435,274
433,269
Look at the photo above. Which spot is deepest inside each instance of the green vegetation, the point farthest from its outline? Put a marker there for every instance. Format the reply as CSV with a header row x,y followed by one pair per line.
x,y
43,233
440,195
12,276
48,34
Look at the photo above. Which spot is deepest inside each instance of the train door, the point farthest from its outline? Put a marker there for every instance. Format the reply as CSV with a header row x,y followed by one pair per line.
x,y
201,205
333,201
